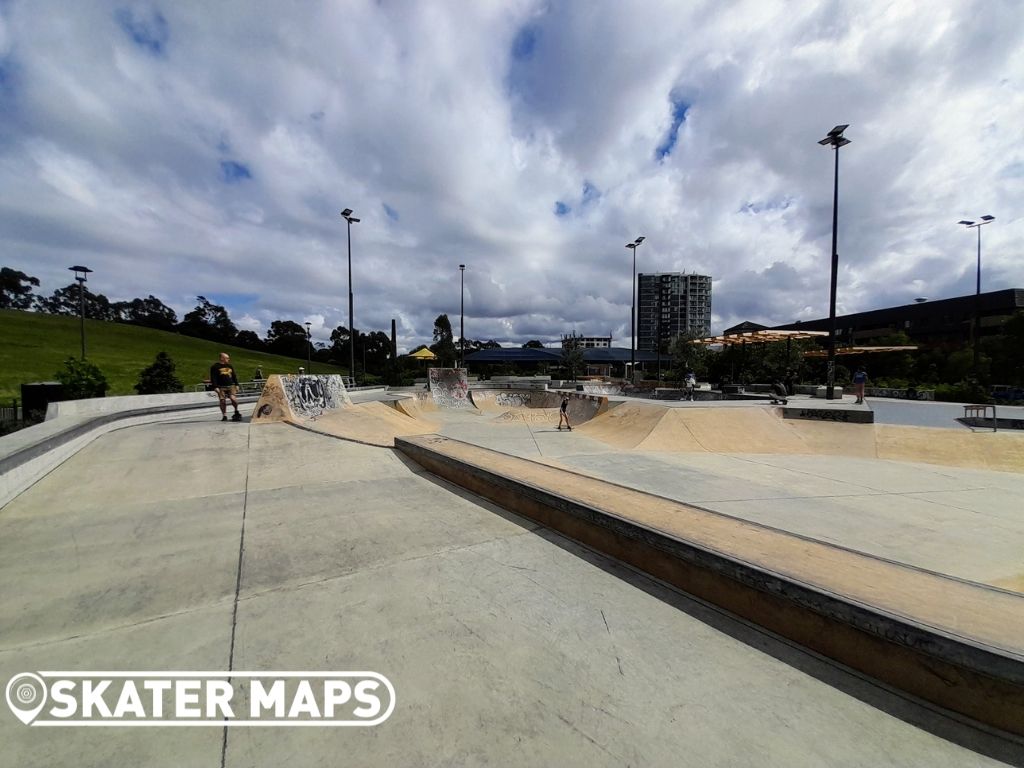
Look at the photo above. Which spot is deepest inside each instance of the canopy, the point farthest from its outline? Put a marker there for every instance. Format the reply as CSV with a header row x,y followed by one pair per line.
x,y
423,354
763,336
857,350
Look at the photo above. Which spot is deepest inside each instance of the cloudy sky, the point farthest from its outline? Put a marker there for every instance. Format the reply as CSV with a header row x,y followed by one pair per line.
x,y
184,148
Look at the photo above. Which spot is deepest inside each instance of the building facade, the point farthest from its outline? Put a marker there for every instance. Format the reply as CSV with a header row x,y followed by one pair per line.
x,y
938,322
671,304
587,342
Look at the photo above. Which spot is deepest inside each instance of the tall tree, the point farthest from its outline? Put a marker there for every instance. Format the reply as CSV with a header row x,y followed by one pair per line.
x,y
209,321
444,344
16,289
66,301
149,312
288,338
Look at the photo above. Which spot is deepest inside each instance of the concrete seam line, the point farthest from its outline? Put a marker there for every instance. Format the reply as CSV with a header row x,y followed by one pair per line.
x,y
238,580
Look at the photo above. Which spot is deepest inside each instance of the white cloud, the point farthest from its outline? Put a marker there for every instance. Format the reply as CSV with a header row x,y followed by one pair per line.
x,y
453,129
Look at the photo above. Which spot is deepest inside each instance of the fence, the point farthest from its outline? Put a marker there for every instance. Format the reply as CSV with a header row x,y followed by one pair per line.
x,y
10,412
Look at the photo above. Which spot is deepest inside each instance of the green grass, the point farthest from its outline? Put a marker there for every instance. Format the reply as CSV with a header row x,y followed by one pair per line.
x,y
34,346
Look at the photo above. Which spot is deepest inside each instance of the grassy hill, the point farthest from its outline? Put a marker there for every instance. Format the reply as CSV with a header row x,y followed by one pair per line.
x,y
33,347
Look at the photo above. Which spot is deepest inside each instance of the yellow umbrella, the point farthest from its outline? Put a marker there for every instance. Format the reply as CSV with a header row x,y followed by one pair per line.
x,y
423,354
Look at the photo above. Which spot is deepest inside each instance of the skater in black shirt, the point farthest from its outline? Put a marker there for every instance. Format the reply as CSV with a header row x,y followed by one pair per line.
x,y
225,381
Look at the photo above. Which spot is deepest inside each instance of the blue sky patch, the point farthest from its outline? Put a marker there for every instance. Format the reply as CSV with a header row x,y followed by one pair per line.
x,y
561,209
150,31
679,110
525,43
760,206
590,193
233,172
391,212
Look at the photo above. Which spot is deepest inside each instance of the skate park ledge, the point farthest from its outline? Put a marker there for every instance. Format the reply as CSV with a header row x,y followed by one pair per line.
x,y
954,643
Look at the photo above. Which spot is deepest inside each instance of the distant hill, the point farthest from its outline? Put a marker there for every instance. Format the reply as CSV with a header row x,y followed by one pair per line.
x,y
34,346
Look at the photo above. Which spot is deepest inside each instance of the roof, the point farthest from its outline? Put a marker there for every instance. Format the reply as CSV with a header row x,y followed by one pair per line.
x,y
593,355
423,354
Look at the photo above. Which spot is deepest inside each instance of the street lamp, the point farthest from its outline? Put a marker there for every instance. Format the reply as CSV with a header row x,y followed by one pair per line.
x,y
632,311
309,350
80,273
462,315
976,328
834,139
347,216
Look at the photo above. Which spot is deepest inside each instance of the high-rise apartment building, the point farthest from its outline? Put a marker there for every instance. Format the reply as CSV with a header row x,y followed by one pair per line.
x,y
671,304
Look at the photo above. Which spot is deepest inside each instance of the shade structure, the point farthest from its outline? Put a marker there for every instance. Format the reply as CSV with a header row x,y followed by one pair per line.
x,y
859,350
423,354
760,336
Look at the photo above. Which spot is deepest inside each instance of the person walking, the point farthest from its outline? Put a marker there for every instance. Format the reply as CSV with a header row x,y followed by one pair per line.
x,y
563,413
225,382
691,384
860,378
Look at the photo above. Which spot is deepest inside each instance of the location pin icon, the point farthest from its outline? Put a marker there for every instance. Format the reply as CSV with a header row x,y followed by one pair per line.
x,y
26,695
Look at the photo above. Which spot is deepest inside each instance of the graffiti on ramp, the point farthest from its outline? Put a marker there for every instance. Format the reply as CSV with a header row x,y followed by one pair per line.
x,y
291,398
449,387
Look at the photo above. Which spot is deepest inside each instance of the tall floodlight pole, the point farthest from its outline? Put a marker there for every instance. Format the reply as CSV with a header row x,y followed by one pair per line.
x,y
632,312
834,139
80,273
347,216
309,350
462,315
976,326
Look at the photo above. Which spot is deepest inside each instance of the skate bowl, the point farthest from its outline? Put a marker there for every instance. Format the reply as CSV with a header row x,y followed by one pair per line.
x,y
536,405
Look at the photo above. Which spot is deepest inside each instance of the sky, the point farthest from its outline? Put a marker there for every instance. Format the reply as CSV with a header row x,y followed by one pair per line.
x,y
195,148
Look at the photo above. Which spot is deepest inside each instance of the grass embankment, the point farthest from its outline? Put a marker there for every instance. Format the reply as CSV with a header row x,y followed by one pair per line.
x,y
34,346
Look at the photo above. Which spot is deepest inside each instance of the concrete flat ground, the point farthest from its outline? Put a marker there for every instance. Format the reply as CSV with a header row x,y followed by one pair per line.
x,y
506,644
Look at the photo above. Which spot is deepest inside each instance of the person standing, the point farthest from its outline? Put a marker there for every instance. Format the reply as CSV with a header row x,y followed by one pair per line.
x,y
563,413
225,382
860,378
690,384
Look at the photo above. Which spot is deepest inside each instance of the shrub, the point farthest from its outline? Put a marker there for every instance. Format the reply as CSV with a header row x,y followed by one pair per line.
x,y
81,380
159,378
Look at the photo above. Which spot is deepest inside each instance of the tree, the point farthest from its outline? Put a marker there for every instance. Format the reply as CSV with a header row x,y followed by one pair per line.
x,y
444,344
159,378
572,355
533,344
149,312
16,289
687,356
209,321
288,338
81,379
249,340
67,301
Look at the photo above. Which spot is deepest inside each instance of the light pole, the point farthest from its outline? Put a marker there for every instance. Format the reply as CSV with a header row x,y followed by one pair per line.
x,y
632,311
309,350
462,315
834,139
80,273
976,327
347,216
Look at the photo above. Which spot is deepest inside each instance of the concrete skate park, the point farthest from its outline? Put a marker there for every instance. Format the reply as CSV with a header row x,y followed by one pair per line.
x,y
703,583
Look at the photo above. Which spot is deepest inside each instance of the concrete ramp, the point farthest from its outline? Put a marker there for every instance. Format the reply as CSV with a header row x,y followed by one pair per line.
x,y
294,398
449,388
372,423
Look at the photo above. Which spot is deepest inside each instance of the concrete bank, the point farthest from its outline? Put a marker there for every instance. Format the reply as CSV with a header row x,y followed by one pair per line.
x,y
948,641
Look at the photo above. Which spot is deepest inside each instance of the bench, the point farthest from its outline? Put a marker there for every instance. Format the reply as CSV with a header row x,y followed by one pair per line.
x,y
980,412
